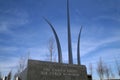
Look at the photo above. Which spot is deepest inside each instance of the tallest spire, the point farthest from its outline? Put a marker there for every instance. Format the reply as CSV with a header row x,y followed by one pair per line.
x,y
69,36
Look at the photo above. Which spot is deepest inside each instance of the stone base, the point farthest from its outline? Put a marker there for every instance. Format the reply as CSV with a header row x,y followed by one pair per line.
x,y
41,70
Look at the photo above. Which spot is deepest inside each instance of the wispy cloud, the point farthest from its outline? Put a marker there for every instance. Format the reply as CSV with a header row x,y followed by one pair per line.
x,y
12,18
89,46
8,49
107,17
39,53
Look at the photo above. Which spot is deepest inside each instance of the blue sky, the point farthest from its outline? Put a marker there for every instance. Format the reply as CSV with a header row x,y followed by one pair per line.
x,y
23,30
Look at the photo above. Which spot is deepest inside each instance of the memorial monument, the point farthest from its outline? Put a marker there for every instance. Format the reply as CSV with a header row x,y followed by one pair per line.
x,y
43,70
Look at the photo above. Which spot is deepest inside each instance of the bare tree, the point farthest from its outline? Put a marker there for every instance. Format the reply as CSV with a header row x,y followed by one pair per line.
x,y
54,58
51,48
15,76
107,71
0,76
22,64
100,69
91,69
111,73
28,56
118,67
9,76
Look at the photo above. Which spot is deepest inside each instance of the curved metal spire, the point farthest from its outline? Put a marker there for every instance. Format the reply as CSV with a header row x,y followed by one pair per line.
x,y
78,47
69,36
57,41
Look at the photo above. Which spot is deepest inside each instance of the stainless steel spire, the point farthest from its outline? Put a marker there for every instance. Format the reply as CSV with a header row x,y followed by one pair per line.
x,y
78,47
57,41
69,36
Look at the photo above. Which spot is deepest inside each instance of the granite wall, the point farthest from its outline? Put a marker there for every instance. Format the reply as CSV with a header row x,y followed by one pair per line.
x,y
41,70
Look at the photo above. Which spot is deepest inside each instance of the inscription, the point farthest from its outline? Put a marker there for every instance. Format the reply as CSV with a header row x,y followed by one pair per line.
x,y
59,72
38,70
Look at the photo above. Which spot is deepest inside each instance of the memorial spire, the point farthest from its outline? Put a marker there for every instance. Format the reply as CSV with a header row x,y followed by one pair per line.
x,y
69,36
78,47
57,41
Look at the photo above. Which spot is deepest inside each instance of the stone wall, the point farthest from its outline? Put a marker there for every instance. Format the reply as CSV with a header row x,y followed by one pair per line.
x,y
23,74
41,70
